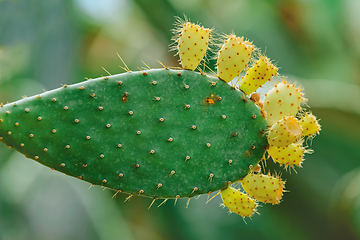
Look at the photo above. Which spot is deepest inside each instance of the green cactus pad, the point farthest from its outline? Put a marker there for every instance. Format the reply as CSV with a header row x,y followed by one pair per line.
x,y
159,133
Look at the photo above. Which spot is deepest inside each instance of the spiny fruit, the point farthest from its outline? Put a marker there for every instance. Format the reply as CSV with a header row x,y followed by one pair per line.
x,y
310,125
282,100
264,188
262,71
192,42
238,202
233,57
291,155
285,132
166,133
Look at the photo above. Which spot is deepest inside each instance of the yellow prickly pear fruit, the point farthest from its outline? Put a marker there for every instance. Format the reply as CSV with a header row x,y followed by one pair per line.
x,y
289,156
283,99
285,132
238,202
309,125
192,43
260,73
233,57
264,188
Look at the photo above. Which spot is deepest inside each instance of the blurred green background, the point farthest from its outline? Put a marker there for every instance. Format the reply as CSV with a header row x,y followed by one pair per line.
x,y
44,44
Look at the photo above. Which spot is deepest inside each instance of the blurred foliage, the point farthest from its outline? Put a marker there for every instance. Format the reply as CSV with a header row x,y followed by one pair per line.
x,y
44,44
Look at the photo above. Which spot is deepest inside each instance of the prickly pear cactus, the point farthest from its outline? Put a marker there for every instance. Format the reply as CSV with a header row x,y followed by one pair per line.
x,y
171,133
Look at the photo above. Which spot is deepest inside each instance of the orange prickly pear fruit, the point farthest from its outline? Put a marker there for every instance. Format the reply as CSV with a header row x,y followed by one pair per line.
x,y
192,43
260,73
264,188
282,100
285,132
233,57
238,202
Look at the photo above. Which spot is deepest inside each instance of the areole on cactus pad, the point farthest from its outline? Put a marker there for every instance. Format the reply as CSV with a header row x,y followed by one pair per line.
x,y
171,133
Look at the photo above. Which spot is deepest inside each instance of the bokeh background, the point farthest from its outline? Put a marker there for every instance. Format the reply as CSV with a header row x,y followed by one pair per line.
x,y
44,44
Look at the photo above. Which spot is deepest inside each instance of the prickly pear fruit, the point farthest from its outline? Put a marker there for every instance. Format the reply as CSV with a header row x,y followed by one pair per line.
x,y
284,132
282,100
192,42
238,202
291,155
264,188
260,73
159,133
233,57
309,125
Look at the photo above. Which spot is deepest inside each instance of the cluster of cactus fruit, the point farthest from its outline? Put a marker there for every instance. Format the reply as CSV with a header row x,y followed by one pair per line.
x,y
172,133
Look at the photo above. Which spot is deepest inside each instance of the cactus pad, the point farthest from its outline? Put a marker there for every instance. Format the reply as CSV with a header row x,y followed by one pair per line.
x,y
141,132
